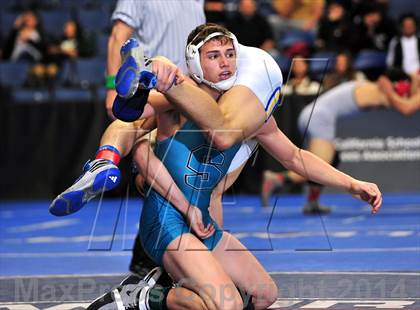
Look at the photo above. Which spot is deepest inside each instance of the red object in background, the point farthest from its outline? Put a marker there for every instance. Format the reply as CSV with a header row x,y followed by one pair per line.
x,y
299,48
402,88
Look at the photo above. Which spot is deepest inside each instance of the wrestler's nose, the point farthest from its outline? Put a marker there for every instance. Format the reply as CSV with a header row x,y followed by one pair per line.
x,y
224,62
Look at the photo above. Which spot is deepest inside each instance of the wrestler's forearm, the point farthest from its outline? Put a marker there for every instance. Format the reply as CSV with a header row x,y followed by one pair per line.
x,y
163,183
159,177
300,161
315,169
120,33
406,106
113,58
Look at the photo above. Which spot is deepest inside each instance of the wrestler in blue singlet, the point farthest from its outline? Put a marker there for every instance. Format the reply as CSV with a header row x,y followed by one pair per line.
x,y
196,168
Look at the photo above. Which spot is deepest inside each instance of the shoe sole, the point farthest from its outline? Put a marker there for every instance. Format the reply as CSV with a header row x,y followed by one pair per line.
x,y
127,79
128,75
73,201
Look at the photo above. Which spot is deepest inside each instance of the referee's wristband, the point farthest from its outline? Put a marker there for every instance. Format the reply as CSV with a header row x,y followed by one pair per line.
x,y
110,82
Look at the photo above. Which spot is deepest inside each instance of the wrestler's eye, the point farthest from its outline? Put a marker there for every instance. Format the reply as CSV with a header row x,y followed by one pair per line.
x,y
230,54
213,56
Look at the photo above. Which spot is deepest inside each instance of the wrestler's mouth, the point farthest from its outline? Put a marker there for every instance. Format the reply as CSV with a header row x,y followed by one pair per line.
x,y
225,75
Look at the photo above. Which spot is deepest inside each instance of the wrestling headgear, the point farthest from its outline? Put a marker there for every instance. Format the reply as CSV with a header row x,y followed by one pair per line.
x,y
192,55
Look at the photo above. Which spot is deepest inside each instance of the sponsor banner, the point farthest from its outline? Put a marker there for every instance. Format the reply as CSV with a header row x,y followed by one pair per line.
x,y
381,146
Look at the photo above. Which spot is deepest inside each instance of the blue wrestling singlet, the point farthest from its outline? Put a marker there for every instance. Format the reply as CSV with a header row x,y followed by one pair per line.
x,y
196,168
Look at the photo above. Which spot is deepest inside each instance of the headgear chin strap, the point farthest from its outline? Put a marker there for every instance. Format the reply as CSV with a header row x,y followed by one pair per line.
x,y
192,55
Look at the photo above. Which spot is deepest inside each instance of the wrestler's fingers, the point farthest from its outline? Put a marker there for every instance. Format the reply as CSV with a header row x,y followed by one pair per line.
x,y
180,77
210,232
377,204
171,79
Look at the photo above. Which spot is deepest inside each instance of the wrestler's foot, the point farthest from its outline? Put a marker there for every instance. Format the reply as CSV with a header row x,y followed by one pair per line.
x,y
98,176
133,72
272,181
131,294
129,110
142,269
314,208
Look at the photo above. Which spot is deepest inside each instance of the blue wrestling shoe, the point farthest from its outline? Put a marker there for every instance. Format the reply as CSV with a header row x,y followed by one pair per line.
x,y
131,294
129,110
134,73
99,175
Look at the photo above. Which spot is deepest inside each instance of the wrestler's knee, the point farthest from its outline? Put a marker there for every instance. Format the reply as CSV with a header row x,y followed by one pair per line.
x,y
230,300
266,293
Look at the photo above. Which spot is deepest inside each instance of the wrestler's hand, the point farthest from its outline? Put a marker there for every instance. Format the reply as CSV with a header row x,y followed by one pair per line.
x,y
368,192
140,181
195,220
167,73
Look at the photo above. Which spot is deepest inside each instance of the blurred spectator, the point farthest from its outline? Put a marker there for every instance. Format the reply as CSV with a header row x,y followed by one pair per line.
x,y
334,28
343,72
373,30
404,50
250,27
215,11
300,83
25,42
72,44
357,8
298,14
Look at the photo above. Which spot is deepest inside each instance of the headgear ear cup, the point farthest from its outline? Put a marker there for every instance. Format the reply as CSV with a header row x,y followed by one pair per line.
x,y
129,110
193,62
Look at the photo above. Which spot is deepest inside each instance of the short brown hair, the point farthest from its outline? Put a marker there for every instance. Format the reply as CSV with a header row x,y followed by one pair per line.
x,y
203,31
